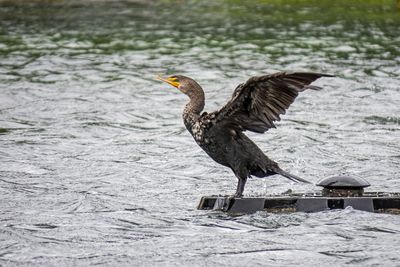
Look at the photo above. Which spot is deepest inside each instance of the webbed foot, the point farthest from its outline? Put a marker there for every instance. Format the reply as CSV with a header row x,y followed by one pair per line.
x,y
237,195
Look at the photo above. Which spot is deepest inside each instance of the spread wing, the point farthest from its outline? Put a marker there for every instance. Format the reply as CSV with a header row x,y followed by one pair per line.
x,y
258,103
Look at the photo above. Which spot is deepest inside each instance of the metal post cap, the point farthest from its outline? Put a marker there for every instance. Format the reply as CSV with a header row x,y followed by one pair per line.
x,y
343,182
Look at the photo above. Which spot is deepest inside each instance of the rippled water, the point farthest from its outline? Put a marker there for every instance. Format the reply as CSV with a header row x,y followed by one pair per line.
x,y
97,168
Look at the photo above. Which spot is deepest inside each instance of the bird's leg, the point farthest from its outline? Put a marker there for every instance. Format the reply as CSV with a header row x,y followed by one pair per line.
x,y
240,187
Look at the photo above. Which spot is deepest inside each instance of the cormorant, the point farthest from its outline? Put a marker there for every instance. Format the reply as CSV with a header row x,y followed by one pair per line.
x,y
255,106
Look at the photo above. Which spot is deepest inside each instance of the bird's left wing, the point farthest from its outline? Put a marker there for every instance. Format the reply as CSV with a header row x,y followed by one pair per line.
x,y
258,103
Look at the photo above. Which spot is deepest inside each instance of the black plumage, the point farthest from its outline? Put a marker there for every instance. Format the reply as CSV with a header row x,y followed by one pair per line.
x,y
255,106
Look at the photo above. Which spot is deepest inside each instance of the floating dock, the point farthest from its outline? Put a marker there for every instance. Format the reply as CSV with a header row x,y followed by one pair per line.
x,y
339,193
372,202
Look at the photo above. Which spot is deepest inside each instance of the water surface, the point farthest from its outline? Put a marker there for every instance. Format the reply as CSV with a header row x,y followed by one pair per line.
x,y
97,168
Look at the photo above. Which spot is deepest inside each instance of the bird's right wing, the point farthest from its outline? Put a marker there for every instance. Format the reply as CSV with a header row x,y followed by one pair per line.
x,y
258,103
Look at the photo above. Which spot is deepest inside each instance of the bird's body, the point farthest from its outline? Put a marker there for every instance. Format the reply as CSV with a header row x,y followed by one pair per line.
x,y
254,106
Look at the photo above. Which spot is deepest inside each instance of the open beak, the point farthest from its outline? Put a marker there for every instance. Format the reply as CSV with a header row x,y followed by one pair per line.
x,y
171,81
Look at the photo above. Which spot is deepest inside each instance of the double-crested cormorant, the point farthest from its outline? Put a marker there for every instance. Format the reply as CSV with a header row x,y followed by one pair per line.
x,y
255,106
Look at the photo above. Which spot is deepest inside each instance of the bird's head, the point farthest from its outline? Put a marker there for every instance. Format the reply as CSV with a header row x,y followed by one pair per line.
x,y
186,85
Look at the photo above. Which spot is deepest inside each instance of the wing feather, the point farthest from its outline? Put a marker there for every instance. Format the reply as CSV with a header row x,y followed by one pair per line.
x,y
258,103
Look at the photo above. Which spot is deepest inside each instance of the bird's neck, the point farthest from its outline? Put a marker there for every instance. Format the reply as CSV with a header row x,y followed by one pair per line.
x,y
192,110
196,103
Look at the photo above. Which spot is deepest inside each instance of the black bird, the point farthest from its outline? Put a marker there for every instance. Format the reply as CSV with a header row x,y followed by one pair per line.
x,y
255,106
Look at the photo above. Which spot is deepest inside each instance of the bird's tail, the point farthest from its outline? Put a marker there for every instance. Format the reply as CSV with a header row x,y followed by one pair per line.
x,y
291,176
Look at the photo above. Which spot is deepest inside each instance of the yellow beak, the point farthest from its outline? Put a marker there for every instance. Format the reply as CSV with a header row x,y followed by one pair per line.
x,y
171,81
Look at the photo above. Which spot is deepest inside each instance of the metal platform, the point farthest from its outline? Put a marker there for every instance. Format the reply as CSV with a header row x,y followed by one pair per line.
x,y
370,201
339,192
